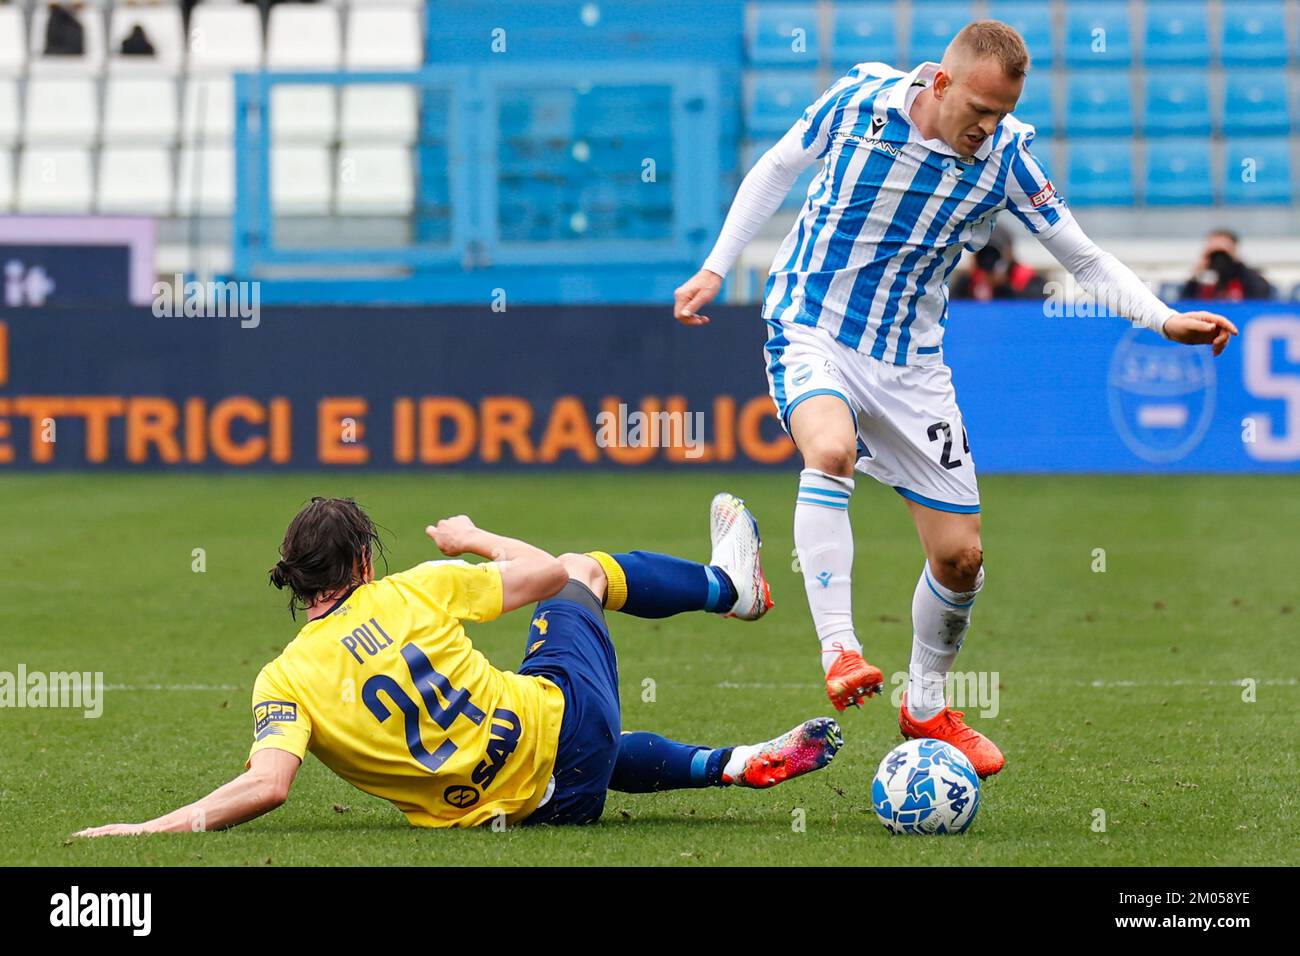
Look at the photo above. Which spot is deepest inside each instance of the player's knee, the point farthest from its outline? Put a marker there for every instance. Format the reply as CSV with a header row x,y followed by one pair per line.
x,y
959,568
587,571
831,455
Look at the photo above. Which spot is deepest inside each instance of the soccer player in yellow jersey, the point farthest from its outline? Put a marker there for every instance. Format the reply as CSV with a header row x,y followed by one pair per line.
x,y
384,686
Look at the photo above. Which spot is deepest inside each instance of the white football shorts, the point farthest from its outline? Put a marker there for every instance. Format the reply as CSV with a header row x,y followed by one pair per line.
x,y
911,435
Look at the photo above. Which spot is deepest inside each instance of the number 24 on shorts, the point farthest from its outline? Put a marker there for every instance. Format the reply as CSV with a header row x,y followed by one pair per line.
x,y
944,429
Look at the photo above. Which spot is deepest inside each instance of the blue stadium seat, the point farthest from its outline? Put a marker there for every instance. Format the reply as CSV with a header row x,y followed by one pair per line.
x,y
1177,173
565,31
1176,34
1033,20
1257,172
1100,103
783,34
776,100
1254,34
799,191
1097,34
1255,103
1035,106
862,33
1177,103
1101,172
934,25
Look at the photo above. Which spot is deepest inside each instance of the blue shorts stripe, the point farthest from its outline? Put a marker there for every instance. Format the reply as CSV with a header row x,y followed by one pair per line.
x,y
776,345
785,412
936,504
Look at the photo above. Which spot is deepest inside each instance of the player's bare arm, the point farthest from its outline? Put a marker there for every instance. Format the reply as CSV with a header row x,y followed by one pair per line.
x,y
257,791
528,574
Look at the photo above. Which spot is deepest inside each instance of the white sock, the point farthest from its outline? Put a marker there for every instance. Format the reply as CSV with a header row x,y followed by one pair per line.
x,y
940,619
736,762
823,539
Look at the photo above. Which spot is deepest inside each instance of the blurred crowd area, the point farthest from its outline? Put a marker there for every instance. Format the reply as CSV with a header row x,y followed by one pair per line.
x,y
1218,275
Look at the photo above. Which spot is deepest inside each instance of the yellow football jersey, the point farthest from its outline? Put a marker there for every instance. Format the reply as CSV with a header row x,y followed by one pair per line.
x,y
389,693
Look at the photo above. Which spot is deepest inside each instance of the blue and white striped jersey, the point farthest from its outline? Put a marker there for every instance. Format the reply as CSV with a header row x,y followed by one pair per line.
x,y
889,213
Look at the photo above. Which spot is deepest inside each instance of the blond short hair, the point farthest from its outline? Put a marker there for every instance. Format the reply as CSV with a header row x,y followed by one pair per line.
x,y
993,40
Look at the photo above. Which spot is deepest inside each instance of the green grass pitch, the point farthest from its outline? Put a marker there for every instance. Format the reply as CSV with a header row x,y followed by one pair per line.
x,y
1118,690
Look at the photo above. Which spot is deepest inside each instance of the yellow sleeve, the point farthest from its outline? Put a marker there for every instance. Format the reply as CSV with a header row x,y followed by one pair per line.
x,y
468,592
279,721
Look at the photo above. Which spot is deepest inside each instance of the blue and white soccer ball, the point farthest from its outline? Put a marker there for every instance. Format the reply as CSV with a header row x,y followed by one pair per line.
x,y
926,786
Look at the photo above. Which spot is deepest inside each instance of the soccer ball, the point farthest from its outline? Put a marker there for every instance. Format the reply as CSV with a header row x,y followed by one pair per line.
x,y
926,786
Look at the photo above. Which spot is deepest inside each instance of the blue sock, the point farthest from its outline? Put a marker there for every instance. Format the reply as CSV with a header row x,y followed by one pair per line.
x,y
659,585
648,762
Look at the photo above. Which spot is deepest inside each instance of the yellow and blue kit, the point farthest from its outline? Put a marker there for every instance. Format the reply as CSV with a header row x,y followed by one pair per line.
x,y
387,690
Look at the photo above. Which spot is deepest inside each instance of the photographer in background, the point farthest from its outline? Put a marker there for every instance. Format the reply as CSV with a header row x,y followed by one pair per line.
x,y
1220,275
995,274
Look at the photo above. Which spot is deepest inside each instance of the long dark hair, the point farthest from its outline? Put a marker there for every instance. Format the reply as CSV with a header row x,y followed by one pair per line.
x,y
327,547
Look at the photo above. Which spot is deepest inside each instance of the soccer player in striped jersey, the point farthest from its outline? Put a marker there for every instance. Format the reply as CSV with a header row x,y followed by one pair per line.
x,y
915,167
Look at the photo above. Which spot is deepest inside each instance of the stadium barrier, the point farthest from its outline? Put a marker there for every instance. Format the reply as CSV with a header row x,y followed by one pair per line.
x,y
536,388
555,181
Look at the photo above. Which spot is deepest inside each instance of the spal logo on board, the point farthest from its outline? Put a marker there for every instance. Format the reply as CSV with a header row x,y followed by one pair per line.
x,y
1161,396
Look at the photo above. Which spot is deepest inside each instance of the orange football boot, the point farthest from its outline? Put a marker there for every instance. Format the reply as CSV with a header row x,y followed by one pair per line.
x,y
851,678
948,726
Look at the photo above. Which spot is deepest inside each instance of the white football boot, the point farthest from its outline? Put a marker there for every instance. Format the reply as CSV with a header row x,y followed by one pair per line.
x,y
736,545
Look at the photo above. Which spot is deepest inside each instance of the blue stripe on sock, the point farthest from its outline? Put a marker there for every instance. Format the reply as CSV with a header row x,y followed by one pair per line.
x,y
926,575
715,589
828,492
825,504
700,766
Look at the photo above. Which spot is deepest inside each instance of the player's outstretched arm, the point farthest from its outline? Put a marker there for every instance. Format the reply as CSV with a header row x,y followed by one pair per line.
x,y
260,789
1111,282
760,195
528,574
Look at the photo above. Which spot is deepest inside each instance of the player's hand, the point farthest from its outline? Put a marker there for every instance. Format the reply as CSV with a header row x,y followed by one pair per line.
x,y
453,536
698,291
113,829
1200,328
